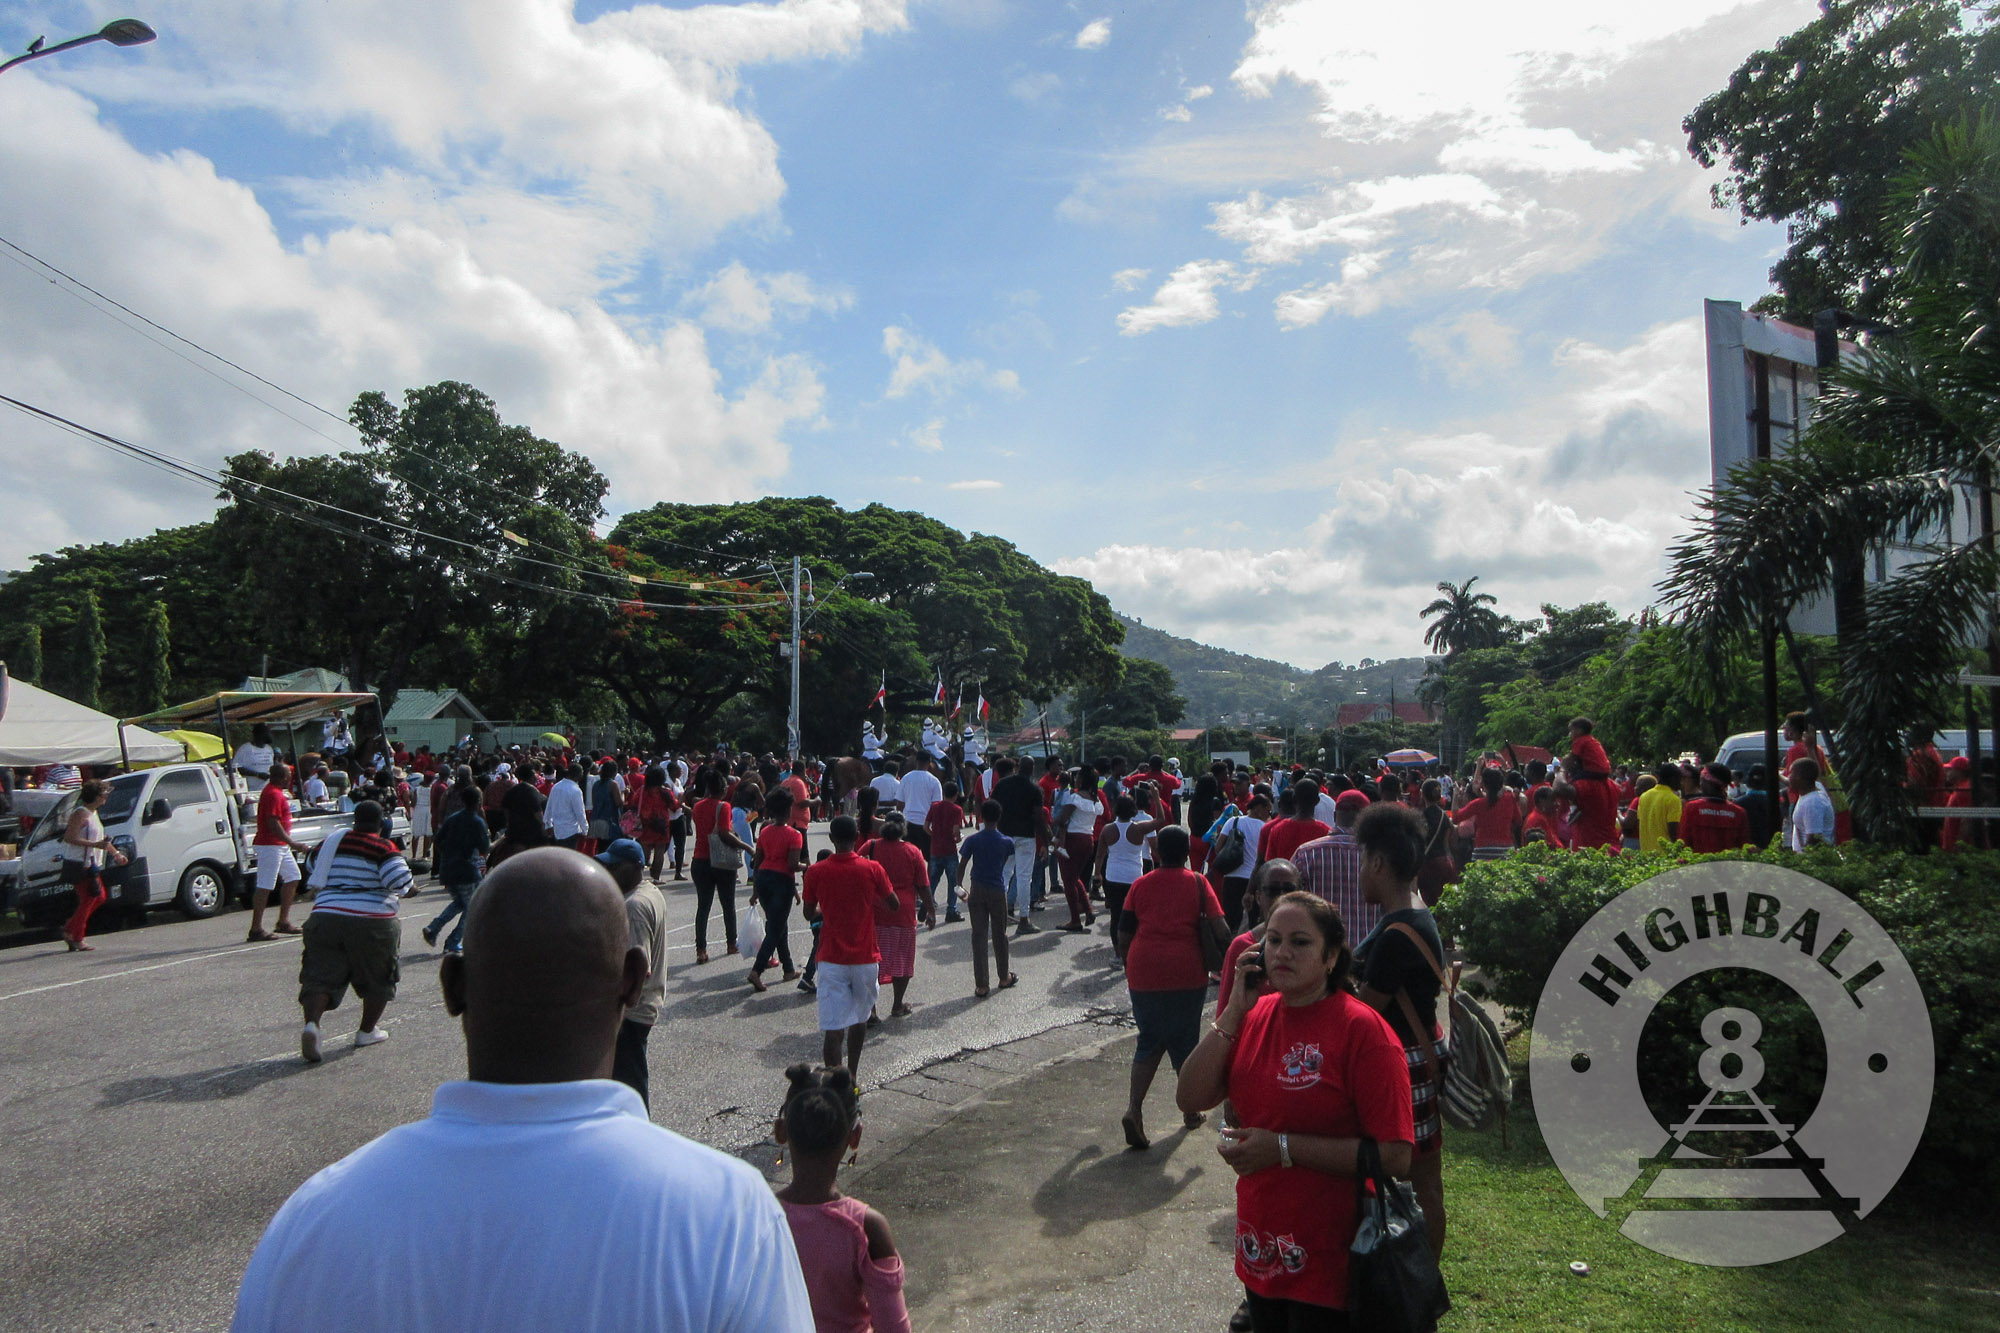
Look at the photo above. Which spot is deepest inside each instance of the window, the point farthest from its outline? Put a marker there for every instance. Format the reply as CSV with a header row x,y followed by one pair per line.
x,y
184,787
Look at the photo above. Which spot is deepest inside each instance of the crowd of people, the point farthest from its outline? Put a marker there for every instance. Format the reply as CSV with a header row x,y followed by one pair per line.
x,y
1299,898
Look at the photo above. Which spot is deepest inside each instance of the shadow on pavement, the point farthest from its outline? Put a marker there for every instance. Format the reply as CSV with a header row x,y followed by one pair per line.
x,y
1097,1186
212,1085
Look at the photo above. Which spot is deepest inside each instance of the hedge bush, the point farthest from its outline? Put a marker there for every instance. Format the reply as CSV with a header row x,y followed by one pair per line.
x,y
1513,918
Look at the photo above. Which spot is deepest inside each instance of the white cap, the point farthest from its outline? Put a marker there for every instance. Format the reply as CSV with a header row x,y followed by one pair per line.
x,y
502,770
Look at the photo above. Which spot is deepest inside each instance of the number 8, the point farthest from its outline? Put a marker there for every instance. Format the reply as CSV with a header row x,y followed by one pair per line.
x,y
1743,1046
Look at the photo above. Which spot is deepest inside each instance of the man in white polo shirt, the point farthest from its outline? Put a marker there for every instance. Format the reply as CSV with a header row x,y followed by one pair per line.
x,y
918,792
537,1195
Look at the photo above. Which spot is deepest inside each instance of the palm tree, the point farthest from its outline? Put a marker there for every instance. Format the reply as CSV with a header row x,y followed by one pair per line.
x,y
1902,428
1465,619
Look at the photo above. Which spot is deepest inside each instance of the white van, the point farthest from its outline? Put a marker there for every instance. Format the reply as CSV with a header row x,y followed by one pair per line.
x,y
186,839
1747,748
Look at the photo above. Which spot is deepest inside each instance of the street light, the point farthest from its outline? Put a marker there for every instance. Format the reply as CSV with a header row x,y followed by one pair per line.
x,y
118,32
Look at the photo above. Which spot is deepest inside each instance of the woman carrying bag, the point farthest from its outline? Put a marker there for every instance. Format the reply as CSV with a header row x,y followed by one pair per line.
x,y
1173,936
85,846
1310,1073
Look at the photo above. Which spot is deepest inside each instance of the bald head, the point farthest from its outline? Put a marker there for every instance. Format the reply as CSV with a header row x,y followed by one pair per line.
x,y
548,970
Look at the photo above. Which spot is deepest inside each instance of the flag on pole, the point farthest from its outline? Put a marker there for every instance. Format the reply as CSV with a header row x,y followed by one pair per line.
x,y
958,706
938,697
881,693
983,710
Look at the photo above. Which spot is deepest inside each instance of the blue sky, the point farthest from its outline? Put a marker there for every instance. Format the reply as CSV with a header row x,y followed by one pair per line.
x,y
1263,319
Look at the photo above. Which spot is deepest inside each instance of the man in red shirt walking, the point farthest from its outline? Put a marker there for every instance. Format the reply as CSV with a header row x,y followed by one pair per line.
x,y
277,857
842,893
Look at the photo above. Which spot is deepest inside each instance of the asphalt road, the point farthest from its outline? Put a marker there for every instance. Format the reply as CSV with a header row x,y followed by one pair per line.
x,y
154,1111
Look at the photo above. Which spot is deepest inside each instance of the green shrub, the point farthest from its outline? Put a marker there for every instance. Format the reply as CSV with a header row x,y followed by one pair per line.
x,y
1513,919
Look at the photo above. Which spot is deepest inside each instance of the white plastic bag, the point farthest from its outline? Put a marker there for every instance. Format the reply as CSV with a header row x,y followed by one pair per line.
x,y
750,931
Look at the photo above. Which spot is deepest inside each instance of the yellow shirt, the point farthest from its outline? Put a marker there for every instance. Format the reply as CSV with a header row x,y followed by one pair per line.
x,y
1658,807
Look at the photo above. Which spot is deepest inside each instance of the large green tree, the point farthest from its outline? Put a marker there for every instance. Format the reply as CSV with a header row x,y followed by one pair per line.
x,y
1812,133
1143,698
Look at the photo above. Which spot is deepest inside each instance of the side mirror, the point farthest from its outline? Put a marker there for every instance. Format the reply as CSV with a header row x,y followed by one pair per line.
x,y
159,812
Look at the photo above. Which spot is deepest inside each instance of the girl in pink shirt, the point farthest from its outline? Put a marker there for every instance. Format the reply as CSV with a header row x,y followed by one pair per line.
x,y
853,1273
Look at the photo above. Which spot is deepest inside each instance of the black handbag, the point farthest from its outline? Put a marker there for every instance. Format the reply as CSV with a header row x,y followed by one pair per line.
x,y
73,871
1393,1283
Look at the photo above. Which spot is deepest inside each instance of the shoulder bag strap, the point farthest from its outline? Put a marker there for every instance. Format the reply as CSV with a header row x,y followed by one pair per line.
x,y
1409,1007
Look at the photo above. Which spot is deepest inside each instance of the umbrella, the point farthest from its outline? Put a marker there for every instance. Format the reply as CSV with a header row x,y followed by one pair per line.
x,y
1409,758
198,744
553,738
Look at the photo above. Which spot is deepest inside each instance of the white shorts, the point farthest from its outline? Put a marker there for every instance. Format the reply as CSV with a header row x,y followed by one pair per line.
x,y
846,994
274,864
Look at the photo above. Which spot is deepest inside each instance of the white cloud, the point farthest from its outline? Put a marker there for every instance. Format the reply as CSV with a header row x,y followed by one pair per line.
x,y
1125,279
1094,34
980,485
1197,93
1502,144
1468,348
919,364
1186,297
740,301
1178,112
1035,88
928,437
1538,500
524,167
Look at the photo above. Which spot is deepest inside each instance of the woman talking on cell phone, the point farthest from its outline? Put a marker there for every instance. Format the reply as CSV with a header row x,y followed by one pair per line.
x,y
1309,1071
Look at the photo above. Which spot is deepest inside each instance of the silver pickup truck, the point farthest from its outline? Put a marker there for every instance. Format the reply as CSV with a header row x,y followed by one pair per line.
x,y
186,838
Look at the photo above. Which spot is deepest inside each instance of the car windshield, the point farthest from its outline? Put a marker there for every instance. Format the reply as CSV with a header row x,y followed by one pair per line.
x,y
123,800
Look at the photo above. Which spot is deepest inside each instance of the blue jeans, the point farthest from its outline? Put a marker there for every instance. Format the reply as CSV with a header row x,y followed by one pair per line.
x,y
943,868
461,899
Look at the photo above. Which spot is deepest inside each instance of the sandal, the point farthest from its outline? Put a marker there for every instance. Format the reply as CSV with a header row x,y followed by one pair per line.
x,y
258,937
980,992
757,984
1010,980
1135,1134
287,928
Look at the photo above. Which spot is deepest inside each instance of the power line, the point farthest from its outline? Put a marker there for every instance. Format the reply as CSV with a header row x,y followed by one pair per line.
x,y
403,450
230,485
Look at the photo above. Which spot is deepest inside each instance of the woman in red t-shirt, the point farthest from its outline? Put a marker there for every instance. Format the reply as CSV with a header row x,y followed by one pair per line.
x,y
896,928
780,857
713,817
1309,1071
1493,821
657,804
1159,933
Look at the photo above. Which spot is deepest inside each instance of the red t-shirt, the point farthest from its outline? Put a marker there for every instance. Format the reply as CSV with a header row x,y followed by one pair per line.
x,y
274,817
1590,758
845,888
707,811
907,873
1595,823
1281,837
1714,826
1167,906
1550,826
775,845
1335,1068
1049,784
945,820
801,801
1495,820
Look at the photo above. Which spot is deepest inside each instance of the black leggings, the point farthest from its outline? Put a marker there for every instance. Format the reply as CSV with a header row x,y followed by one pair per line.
x,y
1233,890
774,895
709,884
1275,1316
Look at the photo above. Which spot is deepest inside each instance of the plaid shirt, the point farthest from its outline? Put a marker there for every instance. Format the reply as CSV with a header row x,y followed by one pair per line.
x,y
1331,868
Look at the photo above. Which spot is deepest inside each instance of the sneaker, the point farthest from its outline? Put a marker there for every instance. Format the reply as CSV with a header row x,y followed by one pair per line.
x,y
430,936
808,986
309,1043
1027,927
365,1037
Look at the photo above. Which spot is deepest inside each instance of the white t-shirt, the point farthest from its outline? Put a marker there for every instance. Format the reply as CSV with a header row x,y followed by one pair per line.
x,y
1812,814
919,791
1253,831
254,763
889,786
316,789
529,1207
1084,821
1323,811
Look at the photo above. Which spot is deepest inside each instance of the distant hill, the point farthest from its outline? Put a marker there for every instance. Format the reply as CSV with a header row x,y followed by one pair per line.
x,y
1235,689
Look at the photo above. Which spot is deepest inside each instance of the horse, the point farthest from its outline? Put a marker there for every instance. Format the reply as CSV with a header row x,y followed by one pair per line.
x,y
843,778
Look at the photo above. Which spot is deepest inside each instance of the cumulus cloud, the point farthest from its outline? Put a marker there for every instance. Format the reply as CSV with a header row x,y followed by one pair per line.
x,y
739,301
928,437
917,363
1094,34
1186,297
1125,279
1538,501
1468,347
524,168
1510,142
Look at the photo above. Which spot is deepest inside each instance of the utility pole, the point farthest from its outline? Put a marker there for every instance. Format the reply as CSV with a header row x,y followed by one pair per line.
x,y
792,723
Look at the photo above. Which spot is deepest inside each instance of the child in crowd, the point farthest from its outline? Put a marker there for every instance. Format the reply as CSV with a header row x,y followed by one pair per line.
x,y
944,823
987,854
853,1273
807,982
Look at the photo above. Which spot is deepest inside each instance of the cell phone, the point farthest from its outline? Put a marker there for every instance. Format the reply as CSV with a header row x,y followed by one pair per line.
x,y
1254,972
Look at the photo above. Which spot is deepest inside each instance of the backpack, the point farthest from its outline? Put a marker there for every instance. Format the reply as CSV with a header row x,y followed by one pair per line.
x,y
1478,1084
1229,853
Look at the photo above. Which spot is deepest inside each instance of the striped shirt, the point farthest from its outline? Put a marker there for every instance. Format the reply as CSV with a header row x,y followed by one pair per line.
x,y
362,875
1331,868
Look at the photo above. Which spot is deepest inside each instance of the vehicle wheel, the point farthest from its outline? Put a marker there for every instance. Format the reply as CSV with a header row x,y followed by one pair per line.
x,y
202,892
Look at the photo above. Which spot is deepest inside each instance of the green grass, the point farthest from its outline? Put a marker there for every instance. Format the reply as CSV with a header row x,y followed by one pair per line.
x,y
1516,1225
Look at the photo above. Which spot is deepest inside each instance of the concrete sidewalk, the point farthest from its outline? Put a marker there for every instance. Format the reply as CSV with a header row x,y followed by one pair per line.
x,y
1017,1207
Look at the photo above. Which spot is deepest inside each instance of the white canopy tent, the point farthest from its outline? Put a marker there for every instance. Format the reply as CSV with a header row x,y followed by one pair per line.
x,y
42,728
